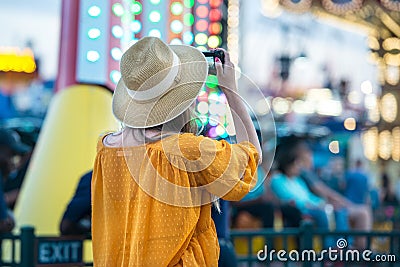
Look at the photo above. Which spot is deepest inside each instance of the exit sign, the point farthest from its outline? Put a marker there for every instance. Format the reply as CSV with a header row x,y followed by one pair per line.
x,y
59,251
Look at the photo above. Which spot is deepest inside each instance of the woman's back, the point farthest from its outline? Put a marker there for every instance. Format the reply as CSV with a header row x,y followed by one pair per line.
x,y
151,203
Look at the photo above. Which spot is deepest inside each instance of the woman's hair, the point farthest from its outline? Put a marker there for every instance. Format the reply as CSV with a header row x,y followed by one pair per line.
x,y
286,155
184,123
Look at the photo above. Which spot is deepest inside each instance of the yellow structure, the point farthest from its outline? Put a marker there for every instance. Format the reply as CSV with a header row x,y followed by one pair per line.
x,y
65,150
15,59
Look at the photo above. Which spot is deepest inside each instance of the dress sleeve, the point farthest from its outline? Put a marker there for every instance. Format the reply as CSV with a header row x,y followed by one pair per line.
x,y
228,171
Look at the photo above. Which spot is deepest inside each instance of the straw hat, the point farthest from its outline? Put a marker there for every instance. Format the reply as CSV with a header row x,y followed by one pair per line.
x,y
158,82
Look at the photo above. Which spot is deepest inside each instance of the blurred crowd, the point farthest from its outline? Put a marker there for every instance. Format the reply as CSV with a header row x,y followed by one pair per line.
x,y
295,191
14,161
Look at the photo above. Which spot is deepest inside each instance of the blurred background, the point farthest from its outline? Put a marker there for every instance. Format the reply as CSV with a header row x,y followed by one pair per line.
x,y
327,72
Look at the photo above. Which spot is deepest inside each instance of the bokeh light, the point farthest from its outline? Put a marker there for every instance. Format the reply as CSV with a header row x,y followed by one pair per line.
x,y
215,3
92,56
370,143
213,97
385,144
201,38
214,120
212,81
115,76
117,31
94,11
212,131
220,131
94,33
389,107
136,8
215,15
176,8
396,144
118,9
155,16
366,87
215,28
334,147
155,33
202,12
188,19
136,26
176,41
214,41
350,124
188,37
203,95
201,48
116,53
176,26
202,107
188,3
201,25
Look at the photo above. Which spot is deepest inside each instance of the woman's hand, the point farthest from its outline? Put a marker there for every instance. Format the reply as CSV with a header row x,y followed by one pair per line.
x,y
226,73
244,126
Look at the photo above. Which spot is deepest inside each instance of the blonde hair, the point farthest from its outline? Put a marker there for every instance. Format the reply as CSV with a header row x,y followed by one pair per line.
x,y
188,120
184,123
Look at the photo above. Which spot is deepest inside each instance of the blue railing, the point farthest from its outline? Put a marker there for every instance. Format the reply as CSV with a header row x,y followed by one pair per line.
x,y
263,247
304,246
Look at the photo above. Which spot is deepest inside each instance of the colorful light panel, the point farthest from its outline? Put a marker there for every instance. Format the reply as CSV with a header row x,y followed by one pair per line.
x,y
110,26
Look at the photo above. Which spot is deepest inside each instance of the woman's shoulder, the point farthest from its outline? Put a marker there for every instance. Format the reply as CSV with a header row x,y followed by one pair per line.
x,y
101,139
187,145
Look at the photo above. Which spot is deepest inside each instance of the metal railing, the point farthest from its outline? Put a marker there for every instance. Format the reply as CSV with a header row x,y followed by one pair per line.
x,y
304,246
24,250
253,247
12,242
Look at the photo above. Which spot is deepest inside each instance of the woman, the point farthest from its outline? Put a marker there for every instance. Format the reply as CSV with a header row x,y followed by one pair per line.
x,y
154,181
290,189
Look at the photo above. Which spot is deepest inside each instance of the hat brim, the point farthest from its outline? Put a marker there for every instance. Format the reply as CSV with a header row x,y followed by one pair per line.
x,y
137,114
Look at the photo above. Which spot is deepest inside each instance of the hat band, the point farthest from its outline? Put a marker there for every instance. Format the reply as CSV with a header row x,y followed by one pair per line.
x,y
162,87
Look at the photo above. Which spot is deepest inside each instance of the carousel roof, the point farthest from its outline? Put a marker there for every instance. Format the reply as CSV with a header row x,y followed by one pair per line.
x,y
381,17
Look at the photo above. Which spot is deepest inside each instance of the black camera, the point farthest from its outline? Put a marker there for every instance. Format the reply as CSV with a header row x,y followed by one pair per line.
x,y
210,56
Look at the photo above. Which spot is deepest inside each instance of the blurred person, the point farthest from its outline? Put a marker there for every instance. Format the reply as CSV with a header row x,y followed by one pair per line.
x,y
258,208
291,189
335,177
356,187
13,183
359,215
7,110
14,162
11,148
221,218
76,219
254,206
254,211
154,181
388,195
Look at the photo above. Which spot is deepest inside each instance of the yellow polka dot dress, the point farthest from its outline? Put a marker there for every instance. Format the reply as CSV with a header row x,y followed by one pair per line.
x,y
151,204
